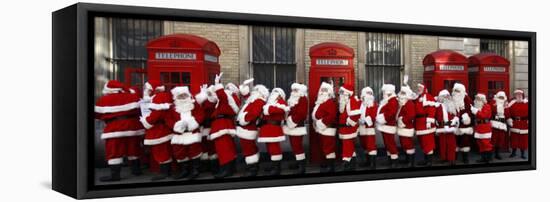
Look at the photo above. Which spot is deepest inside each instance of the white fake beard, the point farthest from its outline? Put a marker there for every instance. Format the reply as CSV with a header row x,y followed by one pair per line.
x,y
273,98
458,99
450,106
500,106
294,98
402,99
478,104
184,105
342,102
321,98
368,100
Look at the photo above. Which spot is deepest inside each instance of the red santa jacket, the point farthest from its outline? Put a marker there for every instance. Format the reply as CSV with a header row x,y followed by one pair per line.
x,y
185,124
368,118
483,124
120,112
406,118
273,115
324,117
425,113
466,119
349,119
224,113
498,120
387,110
519,116
157,131
296,117
247,119
446,122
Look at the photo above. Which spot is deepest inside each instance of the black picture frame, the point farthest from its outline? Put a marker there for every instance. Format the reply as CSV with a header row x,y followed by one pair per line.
x,y
72,102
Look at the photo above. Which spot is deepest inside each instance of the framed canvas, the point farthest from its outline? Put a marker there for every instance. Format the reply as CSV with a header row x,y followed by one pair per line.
x,y
158,100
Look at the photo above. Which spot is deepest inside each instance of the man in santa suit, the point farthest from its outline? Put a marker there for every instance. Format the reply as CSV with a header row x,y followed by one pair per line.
x,y
247,129
271,131
185,117
120,111
348,122
158,134
498,122
482,112
223,127
207,99
465,131
447,122
367,134
386,121
519,123
324,117
295,127
425,123
405,122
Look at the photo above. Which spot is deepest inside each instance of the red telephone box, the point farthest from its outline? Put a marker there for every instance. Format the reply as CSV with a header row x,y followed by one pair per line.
x,y
444,68
183,60
329,62
488,74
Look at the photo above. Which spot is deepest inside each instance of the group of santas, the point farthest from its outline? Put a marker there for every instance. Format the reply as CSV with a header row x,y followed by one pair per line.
x,y
185,128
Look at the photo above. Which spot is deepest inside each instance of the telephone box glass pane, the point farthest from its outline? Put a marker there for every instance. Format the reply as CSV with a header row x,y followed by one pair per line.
x,y
186,78
175,77
448,84
165,77
493,87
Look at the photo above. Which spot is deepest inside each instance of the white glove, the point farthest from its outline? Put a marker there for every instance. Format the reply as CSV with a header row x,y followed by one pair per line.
x,y
400,123
350,122
290,123
510,122
368,121
218,78
320,125
180,126
466,119
204,89
248,81
454,122
380,119
243,122
474,110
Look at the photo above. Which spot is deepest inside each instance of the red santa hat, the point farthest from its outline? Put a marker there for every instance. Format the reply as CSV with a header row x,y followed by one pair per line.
x,y
519,91
154,85
444,92
280,92
301,88
347,89
262,90
113,86
177,91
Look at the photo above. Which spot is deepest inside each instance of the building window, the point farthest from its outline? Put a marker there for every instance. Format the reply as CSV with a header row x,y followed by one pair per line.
x,y
129,40
499,47
384,61
274,56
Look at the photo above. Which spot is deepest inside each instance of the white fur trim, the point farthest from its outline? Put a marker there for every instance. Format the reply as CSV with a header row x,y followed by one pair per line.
x,y
410,151
426,131
272,139
127,133
347,136
363,130
381,119
299,131
182,160
205,132
277,157
351,122
232,103
246,134
405,132
498,125
144,122
197,156
466,119
519,131
330,156
387,129
218,86
482,135
161,106
393,156
118,108
114,161
213,157
186,138
445,129
252,159
430,120
373,152
222,132
204,156
131,158
244,89
158,140
300,157
465,131
241,118
290,123
354,112
429,103
201,97
326,131
320,125
465,149
192,124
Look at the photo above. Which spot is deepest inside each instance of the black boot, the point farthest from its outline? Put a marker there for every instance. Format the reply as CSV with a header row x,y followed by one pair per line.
x,y
497,153
410,160
327,166
225,170
301,167
275,168
135,167
465,158
214,166
372,161
394,163
293,165
523,154
114,175
164,172
194,171
428,160
348,165
184,170
252,170
513,154
489,156
483,158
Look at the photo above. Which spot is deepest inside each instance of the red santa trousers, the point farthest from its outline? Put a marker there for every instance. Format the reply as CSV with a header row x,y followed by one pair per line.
x,y
389,143
328,146
407,144
162,153
498,138
274,149
249,150
484,145
348,149
368,143
186,152
447,146
427,143
117,148
519,141
296,143
464,142
225,149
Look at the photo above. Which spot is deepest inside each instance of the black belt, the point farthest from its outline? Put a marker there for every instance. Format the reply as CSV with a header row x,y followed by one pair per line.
x,y
121,118
273,122
500,120
421,116
443,123
517,118
222,116
482,121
